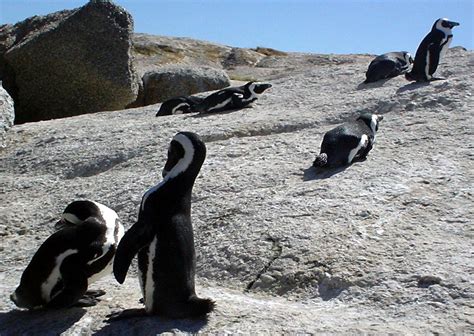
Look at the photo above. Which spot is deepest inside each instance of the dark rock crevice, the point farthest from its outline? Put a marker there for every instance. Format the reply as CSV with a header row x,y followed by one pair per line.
x,y
276,249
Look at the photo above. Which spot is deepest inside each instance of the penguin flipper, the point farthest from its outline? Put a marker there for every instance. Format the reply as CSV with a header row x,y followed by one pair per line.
x,y
434,52
364,151
75,284
134,239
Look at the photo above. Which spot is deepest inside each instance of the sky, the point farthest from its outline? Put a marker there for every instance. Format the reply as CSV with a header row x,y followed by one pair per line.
x,y
317,26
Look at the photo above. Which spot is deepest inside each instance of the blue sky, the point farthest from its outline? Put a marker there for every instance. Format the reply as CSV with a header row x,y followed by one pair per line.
x,y
320,26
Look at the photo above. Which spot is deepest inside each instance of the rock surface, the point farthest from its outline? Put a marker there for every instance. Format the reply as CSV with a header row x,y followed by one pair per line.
x,y
7,113
380,247
181,80
89,70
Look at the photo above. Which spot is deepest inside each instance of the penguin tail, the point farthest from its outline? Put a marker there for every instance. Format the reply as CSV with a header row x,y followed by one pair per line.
x,y
192,308
409,76
197,307
321,160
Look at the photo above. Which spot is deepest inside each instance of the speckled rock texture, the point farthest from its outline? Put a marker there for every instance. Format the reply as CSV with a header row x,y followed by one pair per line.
x,y
70,63
381,247
7,113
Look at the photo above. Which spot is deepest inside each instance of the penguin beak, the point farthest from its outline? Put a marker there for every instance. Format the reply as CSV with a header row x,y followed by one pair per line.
x,y
262,87
60,224
453,24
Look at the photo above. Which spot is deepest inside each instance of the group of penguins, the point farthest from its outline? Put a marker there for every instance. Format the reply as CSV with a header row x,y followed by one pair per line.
x,y
90,242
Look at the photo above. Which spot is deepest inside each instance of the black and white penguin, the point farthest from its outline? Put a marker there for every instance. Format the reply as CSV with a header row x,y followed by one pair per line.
x,y
431,50
179,105
163,237
388,65
232,98
348,142
77,254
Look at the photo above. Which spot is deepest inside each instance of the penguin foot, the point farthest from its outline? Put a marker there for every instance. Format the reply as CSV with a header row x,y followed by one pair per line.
x,y
95,293
86,301
126,314
90,298
432,79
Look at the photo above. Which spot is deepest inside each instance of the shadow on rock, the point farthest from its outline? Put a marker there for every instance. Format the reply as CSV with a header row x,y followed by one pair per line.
x,y
203,115
412,86
39,322
313,173
372,85
151,325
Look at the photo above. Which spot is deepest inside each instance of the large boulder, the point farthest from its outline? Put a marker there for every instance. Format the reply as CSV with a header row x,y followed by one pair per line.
x,y
7,113
178,80
242,57
73,63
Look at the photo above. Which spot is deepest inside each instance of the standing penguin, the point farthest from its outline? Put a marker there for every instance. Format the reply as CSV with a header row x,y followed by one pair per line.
x,y
232,98
163,237
79,253
431,50
179,105
348,142
388,65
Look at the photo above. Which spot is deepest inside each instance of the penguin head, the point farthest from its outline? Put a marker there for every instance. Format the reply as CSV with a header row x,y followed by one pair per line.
x,y
76,213
444,25
407,57
186,153
261,87
26,297
371,120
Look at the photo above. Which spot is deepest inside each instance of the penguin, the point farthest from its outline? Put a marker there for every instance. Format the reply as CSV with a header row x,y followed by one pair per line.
x,y
163,238
348,142
80,252
232,98
430,51
388,65
179,105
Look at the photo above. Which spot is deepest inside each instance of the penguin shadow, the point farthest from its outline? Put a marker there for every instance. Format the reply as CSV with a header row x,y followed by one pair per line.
x,y
149,325
39,322
204,115
372,85
413,86
317,173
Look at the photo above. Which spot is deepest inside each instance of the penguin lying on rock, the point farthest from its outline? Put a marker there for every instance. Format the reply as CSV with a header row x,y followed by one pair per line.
x,y
79,253
430,51
388,65
179,105
232,98
163,238
348,142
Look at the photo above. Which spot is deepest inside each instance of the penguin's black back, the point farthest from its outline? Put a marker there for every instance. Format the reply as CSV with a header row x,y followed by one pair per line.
x,y
386,66
338,142
83,238
167,106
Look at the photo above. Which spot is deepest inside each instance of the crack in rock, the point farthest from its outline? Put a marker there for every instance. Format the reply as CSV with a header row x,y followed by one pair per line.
x,y
277,249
